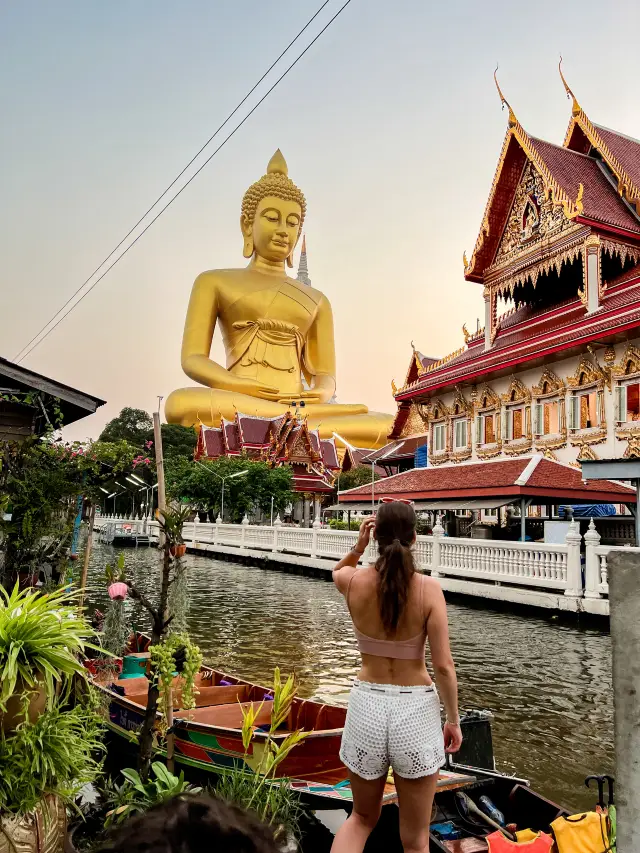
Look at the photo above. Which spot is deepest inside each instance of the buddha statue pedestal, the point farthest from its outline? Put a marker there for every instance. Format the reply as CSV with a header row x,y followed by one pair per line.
x,y
277,331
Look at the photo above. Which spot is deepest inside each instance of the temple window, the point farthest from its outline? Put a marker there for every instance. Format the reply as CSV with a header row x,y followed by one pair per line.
x,y
547,418
460,434
584,410
487,428
439,437
548,413
514,423
628,402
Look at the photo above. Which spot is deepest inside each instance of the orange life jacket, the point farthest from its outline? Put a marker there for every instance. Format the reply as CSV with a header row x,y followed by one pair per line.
x,y
497,842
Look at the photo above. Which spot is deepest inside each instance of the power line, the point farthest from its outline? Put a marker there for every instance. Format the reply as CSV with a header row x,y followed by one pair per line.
x,y
22,354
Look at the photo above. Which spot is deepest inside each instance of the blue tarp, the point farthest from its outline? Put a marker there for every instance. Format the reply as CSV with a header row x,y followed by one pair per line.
x,y
421,457
591,510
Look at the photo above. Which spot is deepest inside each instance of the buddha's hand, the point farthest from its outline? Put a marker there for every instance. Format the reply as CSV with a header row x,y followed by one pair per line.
x,y
324,388
240,385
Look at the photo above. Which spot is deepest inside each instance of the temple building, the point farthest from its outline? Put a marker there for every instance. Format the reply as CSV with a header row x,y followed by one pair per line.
x,y
303,269
556,368
284,440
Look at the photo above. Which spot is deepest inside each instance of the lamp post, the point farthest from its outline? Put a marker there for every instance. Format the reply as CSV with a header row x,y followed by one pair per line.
x,y
272,510
226,477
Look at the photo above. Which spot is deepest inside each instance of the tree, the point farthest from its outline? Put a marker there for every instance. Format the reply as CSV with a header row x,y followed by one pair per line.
x,y
132,425
358,476
177,441
191,481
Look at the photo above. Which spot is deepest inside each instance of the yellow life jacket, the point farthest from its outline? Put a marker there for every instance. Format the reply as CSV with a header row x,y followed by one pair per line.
x,y
582,833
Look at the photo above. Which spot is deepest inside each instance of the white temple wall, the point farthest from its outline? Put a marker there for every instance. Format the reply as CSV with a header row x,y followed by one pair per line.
x,y
575,411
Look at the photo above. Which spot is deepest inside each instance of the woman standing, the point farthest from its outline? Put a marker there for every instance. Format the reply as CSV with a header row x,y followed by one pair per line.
x,y
394,709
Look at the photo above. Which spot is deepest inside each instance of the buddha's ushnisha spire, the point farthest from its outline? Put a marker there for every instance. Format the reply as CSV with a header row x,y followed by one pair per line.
x,y
303,270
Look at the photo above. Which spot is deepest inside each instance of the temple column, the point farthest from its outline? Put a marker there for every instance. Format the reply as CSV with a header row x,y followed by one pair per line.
x,y
488,318
592,273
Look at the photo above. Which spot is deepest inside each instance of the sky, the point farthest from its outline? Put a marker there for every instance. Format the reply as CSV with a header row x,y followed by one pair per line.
x,y
391,126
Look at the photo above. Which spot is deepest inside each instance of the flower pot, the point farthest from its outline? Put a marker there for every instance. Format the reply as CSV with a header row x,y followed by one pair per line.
x,y
41,831
178,550
118,591
14,715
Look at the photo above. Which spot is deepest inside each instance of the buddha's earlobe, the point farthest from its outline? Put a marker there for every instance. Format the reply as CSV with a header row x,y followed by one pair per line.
x,y
290,260
247,249
247,233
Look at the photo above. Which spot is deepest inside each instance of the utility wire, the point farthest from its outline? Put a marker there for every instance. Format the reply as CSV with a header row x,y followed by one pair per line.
x,y
22,354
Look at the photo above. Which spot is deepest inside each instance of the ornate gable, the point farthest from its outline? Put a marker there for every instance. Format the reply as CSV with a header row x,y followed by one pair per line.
x,y
516,393
533,218
586,374
629,363
460,405
549,384
487,399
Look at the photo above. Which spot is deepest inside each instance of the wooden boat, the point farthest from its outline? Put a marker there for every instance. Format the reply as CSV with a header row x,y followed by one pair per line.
x,y
208,740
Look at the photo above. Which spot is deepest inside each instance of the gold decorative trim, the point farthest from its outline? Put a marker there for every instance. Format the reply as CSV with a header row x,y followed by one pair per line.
x,y
460,405
439,458
486,400
516,393
489,452
586,452
572,208
633,448
587,373
554,383
460,455
506,284
630,359
627,188
598,436
553,442
549,454
517,447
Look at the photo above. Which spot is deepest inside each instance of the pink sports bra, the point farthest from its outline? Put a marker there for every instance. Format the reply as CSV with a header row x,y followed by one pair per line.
x,y
412,649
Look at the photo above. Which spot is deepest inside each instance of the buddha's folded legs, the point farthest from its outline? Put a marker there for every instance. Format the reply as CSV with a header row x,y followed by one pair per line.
x,y
355,423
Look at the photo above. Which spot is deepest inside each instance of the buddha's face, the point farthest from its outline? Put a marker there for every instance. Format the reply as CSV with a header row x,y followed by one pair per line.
x,y
275,228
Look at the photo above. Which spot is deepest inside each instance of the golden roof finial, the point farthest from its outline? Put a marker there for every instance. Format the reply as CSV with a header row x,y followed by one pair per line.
x,y
465,261
576,106
512,116
394,389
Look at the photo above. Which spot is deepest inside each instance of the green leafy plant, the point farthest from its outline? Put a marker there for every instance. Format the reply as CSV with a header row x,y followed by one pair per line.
x,y
54,755
275,803
176,654
42,638
115,573
135,796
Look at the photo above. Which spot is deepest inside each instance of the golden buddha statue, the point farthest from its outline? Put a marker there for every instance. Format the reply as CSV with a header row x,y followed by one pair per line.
x,y
276,330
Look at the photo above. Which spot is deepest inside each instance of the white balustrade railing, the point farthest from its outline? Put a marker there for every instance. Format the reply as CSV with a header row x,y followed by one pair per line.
x,y
554,568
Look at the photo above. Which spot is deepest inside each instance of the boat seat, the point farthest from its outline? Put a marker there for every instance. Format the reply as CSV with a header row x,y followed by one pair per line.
x,y
207,696
226,716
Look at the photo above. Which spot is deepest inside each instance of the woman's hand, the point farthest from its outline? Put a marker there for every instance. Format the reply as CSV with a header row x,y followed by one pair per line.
x,y
452,737
364,534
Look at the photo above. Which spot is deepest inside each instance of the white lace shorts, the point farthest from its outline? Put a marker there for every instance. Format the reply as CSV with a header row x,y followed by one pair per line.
x,y
392,726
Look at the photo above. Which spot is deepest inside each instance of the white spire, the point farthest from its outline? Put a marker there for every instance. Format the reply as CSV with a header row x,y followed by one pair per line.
x,y
303,270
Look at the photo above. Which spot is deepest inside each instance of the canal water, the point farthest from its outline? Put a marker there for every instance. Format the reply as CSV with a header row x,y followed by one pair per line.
x,y
547,683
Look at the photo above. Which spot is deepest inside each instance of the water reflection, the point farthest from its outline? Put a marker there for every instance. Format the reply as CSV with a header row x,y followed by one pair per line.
x,y
549,684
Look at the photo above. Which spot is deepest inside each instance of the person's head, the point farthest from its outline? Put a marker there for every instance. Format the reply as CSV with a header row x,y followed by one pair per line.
x,y
273,211
192,824
395,532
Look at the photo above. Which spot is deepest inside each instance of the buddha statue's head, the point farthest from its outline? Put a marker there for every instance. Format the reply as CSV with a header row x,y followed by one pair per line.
x,y
273,211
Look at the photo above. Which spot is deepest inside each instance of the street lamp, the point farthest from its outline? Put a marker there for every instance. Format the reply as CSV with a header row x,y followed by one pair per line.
x,y
138,480
226,477
272,510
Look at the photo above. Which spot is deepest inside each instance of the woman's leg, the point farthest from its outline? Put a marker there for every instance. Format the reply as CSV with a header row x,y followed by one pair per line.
x,y
415,800
367,802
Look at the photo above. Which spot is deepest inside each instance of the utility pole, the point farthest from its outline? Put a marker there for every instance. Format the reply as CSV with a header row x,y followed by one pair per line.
x,y
157,436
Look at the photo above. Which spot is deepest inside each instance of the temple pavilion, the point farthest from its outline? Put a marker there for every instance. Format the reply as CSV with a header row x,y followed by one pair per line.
x,y
556,368
284,440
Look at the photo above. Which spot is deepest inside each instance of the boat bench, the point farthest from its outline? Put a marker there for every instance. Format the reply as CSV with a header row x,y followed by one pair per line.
x,y
227,716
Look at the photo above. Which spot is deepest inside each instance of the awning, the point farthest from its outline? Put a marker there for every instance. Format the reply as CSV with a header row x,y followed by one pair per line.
x,y
422,506
480,503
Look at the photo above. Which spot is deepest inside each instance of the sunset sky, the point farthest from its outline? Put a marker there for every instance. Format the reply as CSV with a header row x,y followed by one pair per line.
x,y
391,126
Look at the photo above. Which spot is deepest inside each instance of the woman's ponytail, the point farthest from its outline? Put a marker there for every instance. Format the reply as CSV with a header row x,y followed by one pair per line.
x,y
395,532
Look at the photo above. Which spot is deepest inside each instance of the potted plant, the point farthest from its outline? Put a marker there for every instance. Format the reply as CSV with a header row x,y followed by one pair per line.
x,y
42,641
116,580
48,749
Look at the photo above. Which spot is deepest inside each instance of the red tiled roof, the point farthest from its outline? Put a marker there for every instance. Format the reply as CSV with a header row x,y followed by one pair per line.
x,y
213,443
541,334
330,454
404,448
509,478
601,200
231,436
625,149
255,431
